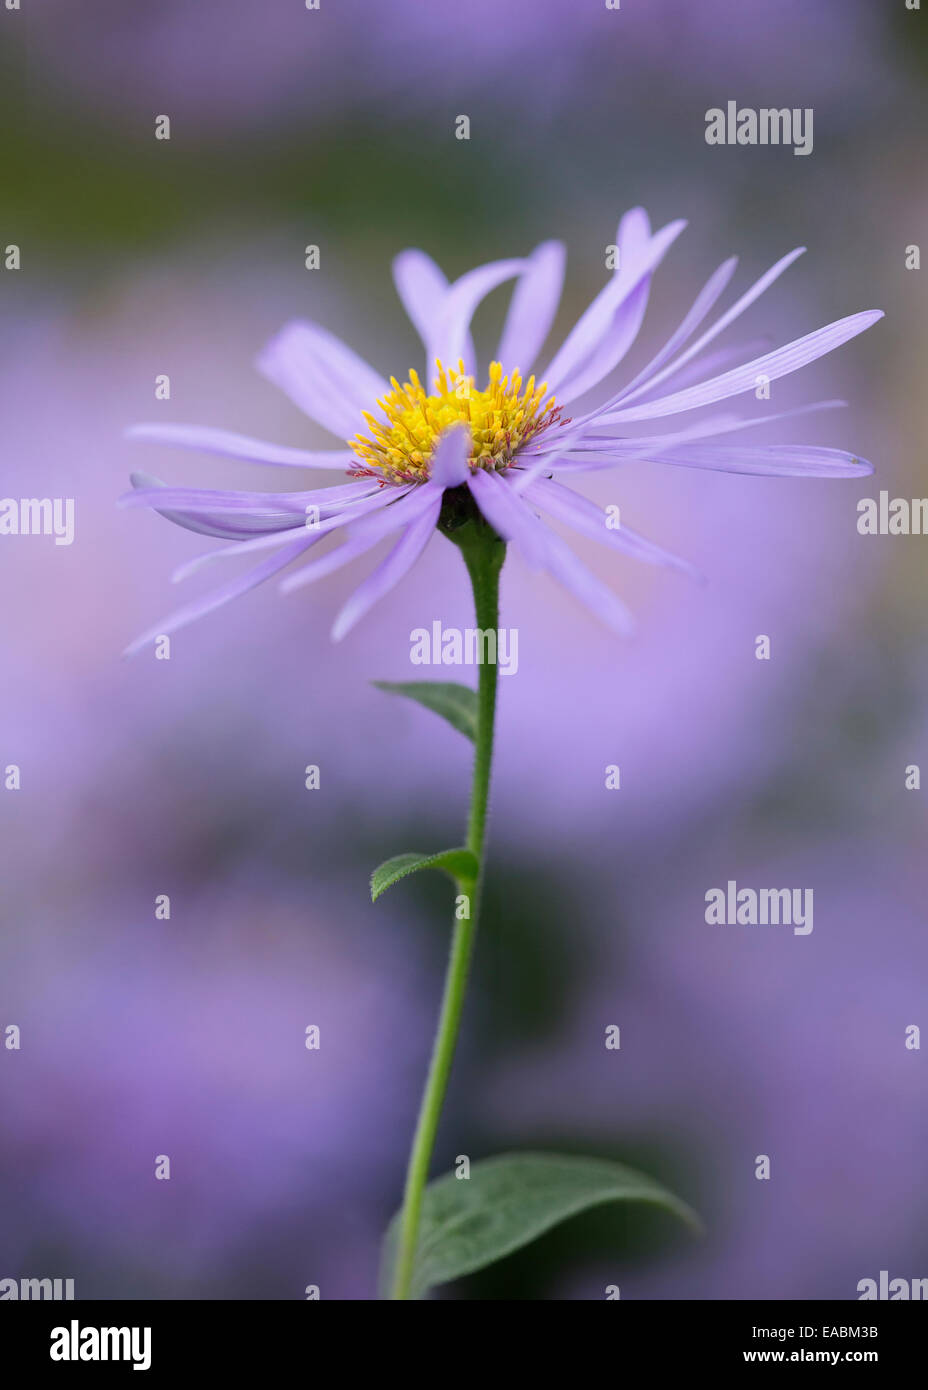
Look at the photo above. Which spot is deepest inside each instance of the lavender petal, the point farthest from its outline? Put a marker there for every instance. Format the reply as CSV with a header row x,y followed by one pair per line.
x,y
534,304
238,446
772,365
322,376
390,571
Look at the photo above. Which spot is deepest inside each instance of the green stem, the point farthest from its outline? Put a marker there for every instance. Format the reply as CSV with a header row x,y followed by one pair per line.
x,y
483,553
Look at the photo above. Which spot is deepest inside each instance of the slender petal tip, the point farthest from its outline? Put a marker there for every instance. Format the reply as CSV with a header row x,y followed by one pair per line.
x,y
140,482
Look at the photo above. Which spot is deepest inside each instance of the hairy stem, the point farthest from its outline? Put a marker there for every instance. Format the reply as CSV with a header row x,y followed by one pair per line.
x,y
483,553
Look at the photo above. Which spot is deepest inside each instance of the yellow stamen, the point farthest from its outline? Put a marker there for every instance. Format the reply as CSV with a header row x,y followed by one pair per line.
x,y
502,419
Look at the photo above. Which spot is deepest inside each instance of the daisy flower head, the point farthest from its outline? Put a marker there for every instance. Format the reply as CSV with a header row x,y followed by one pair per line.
x,y
454,444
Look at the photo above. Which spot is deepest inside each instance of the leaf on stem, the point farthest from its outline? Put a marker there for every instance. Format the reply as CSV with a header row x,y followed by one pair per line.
x,y
508,1201
456,703
458,863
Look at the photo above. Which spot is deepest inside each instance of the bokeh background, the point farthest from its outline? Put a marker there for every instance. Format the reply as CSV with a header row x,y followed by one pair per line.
x,y
142,1037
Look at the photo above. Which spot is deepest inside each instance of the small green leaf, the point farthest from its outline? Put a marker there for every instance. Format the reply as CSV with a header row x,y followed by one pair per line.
x,y
459,863
456,703
508,1201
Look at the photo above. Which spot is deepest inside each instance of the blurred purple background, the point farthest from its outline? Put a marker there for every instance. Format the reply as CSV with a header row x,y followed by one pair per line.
x,y
186,777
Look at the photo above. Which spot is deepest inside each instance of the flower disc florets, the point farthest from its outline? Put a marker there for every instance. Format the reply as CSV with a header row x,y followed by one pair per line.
x,y
502,419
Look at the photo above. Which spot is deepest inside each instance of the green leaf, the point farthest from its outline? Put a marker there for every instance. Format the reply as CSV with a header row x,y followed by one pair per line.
x,y
459,863
456,703
508,1201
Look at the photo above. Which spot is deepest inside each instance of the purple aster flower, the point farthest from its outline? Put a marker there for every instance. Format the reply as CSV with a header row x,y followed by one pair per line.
x,y
418,459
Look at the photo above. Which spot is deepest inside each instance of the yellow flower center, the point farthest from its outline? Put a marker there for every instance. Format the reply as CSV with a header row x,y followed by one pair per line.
x,y
502,420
